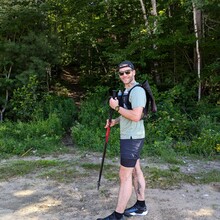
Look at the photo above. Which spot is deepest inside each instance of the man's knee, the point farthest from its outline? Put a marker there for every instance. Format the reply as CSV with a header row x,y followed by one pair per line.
x,y
125,173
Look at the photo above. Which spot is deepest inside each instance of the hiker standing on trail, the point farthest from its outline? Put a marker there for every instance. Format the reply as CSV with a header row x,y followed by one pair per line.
x,y
132,134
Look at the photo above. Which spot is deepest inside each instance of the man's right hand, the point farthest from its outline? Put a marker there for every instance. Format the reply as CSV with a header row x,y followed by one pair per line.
x,y
113,123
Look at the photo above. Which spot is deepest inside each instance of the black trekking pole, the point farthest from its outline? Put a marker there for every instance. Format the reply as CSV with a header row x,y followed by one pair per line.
x,y
106,139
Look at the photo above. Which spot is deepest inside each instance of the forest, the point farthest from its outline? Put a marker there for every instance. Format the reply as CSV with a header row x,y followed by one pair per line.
x,y
174,44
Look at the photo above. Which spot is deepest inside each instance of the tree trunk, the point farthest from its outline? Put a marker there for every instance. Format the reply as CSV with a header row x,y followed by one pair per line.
x,y
4,107
155,64
6,97
144,13
197,30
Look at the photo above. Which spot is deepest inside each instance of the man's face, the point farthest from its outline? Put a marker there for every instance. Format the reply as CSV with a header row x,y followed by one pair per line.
x,y
126,75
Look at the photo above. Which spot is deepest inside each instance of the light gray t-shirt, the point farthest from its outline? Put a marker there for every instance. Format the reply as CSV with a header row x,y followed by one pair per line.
x,y
130,129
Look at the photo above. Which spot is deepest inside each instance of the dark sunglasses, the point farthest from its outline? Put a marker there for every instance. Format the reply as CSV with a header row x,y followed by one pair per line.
x,y
127,72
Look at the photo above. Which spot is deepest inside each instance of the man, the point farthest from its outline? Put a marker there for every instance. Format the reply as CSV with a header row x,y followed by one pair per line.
x,y
132,134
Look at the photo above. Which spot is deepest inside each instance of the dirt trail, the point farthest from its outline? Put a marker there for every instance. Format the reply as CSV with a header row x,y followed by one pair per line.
x,y
34,198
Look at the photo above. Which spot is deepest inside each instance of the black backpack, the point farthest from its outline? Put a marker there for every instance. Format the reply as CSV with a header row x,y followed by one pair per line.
x,y
124,100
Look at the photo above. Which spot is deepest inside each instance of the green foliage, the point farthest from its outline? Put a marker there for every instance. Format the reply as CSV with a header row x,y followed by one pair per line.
x,y
64,107
89,133
35,137
28,104
25,100
171,131
168,123
206,141
28,47
93,138
168,132
37,35
94,109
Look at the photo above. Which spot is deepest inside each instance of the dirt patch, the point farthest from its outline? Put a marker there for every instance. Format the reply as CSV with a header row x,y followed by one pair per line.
x,y
35,198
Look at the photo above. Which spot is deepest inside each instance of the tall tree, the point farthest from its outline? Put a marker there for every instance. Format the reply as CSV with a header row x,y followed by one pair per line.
x,y
27,46
144,13
197,29
155,63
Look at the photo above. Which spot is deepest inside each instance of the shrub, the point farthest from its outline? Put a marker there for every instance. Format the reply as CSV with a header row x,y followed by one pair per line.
x,y
89,133
88,138
205,142
29,104
94,109
63,107
25,100
39,136
168,132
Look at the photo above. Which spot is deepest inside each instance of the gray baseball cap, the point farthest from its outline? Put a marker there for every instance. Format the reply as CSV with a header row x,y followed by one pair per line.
x,y
126,63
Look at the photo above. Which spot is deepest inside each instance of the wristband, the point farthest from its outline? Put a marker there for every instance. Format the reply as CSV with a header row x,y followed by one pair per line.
x,y
117,108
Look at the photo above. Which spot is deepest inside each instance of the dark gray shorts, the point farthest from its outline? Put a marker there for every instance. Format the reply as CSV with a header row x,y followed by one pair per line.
x,y
130,151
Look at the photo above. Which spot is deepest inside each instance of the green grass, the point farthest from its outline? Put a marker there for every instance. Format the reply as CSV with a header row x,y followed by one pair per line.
x,y
22,167
209,177
66,175
110,172
67,171
90,166
172,177
61,171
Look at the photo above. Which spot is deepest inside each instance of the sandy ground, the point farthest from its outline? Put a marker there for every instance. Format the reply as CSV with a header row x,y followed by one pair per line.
x,y
35,198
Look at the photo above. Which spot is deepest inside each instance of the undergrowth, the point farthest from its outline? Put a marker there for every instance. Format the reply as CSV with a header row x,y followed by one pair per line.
x,y
170,132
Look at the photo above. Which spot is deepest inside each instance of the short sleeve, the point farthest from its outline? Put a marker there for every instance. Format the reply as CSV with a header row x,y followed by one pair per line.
x,y
137,97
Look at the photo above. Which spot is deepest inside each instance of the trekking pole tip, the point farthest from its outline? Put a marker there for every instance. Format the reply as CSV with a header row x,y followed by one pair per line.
x,y
98,185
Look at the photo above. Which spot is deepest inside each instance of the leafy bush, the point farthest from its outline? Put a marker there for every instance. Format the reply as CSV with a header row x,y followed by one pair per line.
x,y
63,107
168,123
25,100
206,143
182,135
38,136
89,133
88,138
94,110
169,132
28,104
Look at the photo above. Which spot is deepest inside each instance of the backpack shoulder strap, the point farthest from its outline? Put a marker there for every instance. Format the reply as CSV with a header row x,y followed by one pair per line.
x,y
126,100
133,88
137,85
150,96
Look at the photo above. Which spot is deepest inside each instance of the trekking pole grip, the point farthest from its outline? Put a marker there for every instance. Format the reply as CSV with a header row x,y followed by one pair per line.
x,y
114,94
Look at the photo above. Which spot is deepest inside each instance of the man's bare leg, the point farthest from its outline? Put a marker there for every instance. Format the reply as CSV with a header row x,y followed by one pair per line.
x,y
139,182
125,190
